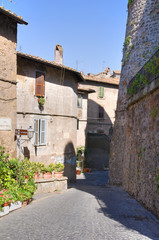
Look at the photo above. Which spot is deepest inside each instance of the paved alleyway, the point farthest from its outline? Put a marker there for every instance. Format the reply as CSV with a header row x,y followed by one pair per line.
x,y
88,210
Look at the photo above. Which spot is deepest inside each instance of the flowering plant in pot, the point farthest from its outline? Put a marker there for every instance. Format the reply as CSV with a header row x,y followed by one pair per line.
x,y
41,101
6,197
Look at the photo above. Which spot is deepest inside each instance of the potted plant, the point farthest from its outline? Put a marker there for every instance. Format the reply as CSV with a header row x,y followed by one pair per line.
x,y
47,172
41,101
59,167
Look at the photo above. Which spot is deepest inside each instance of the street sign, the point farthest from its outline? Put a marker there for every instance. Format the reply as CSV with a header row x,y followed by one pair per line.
x,y
21,132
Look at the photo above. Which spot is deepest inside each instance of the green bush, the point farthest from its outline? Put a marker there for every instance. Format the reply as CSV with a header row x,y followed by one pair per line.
x,y
13,184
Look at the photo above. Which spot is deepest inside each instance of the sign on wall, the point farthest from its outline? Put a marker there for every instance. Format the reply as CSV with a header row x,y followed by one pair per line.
x,y
5,124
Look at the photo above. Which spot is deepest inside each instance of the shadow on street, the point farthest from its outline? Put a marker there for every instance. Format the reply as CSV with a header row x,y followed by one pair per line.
x,y
117,204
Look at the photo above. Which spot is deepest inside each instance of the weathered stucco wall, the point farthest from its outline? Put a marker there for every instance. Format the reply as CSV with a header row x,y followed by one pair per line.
x,y
82,124
134,156
8,69
95,124
59,111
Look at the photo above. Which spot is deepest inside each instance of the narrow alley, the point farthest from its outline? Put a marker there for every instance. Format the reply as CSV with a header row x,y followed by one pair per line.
x,y
88,210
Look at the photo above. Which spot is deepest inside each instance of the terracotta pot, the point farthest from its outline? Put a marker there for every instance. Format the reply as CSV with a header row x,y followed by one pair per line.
x,y
87,170
47,175
58,174
25,202
5,204
78,172
37,176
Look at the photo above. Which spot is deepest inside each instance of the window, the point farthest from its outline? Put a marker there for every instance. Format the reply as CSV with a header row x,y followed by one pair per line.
x,y
101,112
79,101
40,131
40,84
101,92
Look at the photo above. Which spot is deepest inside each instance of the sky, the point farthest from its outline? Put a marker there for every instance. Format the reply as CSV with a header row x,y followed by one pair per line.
x,y
91,32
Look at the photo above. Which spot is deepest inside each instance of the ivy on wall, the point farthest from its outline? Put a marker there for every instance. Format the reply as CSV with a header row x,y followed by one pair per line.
x,y
149,72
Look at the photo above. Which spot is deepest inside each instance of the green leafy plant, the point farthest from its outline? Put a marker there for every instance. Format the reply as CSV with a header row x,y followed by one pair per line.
x,y
157,182
13,184
41,101
51,167
59,167
132,46
127,56
153,66
154,113
127,40
130,2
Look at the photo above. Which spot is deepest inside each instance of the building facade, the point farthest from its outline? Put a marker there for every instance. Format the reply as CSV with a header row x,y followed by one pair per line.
x,y
55,121
8,75
96,115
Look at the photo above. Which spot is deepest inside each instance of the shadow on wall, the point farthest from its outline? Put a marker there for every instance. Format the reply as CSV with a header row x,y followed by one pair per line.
x,y
98,136
70,162
26,152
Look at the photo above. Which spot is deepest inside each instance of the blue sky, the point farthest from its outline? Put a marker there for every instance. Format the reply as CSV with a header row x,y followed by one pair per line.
x,y
91,32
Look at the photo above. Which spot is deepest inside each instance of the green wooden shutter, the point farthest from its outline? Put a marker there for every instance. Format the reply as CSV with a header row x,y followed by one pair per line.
x,y
101,92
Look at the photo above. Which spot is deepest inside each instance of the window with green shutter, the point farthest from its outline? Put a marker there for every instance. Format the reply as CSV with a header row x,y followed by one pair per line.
x,y
101,92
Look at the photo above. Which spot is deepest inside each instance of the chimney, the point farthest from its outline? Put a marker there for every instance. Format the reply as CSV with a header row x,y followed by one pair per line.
x,y
59,54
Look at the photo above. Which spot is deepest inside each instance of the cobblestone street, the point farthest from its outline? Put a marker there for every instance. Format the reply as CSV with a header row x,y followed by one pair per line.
x,y
88,210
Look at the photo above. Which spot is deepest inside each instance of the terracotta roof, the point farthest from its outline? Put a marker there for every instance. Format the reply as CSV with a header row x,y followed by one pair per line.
x,y
117,72
110,80
50,63
85,90
15,17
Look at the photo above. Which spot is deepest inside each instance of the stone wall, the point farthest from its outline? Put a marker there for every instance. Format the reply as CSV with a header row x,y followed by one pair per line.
x,y
8,69
134,153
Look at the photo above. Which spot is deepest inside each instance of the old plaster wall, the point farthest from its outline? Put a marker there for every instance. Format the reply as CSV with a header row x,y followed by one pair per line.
x,y
82,121
60,112
94,124
134,147
8,69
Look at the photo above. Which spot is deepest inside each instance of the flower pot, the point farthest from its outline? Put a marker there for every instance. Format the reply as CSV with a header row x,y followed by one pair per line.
x,y
25,202
58,174
37,176
15,206
47,175
86,170
4,211
5,204
78,172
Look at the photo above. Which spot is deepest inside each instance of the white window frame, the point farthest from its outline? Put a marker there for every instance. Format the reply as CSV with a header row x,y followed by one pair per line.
x,y
39,132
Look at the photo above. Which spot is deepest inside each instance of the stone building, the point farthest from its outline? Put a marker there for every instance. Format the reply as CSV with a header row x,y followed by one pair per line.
x,y
96,115
38,93
55,122
134,158
8,75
